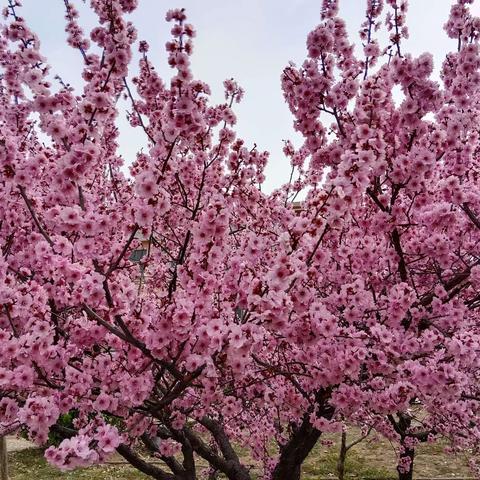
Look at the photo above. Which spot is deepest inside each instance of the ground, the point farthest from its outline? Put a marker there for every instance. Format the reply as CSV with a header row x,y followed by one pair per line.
x,y
376,459
371,459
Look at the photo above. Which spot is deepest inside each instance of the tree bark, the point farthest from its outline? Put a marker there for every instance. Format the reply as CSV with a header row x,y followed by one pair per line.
x,y
342,456
301,442
294,452
3,459
408,453
402,426
148,469
226,462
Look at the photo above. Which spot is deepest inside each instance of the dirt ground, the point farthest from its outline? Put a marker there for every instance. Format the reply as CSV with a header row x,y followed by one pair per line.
x,y
15,444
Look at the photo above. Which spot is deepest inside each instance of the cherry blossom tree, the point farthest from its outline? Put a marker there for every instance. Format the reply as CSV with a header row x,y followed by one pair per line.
x,y
248,320
397,260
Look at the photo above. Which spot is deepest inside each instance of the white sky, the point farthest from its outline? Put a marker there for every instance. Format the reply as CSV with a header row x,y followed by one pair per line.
x,y
250,40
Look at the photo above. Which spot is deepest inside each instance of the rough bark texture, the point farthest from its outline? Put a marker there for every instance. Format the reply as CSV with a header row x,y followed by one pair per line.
x,y
225,461
301,442
294,452
342,456
3,459
148,469
402,427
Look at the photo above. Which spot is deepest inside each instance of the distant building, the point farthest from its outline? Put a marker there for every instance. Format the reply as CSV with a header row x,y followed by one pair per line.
x,y
297,207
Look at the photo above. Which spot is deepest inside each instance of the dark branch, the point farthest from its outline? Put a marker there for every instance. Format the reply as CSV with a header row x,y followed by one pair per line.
x,y
34,216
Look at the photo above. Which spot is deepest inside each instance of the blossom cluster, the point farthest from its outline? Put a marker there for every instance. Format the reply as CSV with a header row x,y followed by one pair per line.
x,y
183,308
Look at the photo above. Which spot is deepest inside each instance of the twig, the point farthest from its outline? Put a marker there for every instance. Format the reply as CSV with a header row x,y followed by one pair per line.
x,y
140,119
122,253
34,216
471,215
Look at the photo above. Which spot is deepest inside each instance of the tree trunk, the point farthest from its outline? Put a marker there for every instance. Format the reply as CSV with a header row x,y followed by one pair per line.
x,y
301,442
294,452
342,457
3,459
410,454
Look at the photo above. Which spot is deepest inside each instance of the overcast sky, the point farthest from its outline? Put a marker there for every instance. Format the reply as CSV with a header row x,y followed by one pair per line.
x,y
250,40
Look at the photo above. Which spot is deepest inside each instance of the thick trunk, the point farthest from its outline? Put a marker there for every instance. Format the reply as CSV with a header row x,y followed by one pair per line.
x,y
295,451
402,427
3,459
301,442
408,454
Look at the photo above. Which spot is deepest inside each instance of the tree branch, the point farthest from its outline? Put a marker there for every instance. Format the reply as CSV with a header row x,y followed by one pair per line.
x,y
42,230
402,266
140,119
128,454
471,215
122,253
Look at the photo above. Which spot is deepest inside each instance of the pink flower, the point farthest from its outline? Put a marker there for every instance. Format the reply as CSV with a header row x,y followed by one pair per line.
x,y
371,49
70,215
108,438
146,185
143,215
193,362
102,402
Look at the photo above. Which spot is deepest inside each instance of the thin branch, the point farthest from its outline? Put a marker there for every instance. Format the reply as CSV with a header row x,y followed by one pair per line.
x,y
358,440
122,253
34,216
70,17
402,266
140,119
377,201
317,245
10,320
471,215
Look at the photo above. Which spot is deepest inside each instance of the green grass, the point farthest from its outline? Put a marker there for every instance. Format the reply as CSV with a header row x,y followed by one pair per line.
x,y
30,465
375,458
355,467
372,459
